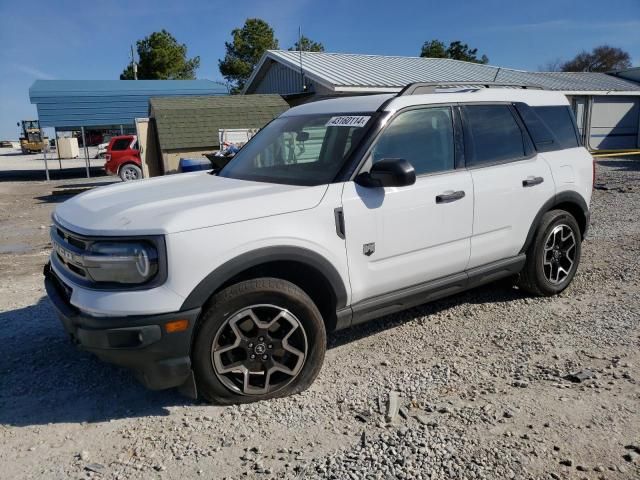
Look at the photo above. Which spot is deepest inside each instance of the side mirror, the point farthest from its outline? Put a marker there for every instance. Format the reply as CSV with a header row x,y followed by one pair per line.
x,y
388,172
217,162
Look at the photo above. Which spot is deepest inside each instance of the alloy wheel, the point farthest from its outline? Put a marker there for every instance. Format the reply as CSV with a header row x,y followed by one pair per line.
x,y
130,173
259,349
559,254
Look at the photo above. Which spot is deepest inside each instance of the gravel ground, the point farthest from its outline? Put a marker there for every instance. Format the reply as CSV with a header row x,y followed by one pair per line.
x,y
486,384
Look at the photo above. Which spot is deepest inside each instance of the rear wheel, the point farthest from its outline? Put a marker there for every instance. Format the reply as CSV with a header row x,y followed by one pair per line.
x,y
258,339
130,172
554,255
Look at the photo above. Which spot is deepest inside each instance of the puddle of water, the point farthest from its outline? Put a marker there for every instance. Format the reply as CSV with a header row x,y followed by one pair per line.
x,y
15,248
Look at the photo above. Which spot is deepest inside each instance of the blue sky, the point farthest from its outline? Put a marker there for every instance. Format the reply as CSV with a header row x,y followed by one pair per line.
x,y
91,39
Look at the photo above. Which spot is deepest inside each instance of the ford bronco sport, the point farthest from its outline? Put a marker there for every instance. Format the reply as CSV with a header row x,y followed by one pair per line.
x,y
225,283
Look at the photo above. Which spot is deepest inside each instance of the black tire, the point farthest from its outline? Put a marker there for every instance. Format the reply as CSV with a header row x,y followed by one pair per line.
x,y
225,306
534,276
130,172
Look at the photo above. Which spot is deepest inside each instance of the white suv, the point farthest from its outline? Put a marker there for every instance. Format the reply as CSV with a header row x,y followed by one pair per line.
x,y
226,283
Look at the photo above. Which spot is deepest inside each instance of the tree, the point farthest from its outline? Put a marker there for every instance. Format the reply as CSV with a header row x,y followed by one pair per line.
x,y
162,58
461,51
307,45
601,59
249,44
456,51
434,49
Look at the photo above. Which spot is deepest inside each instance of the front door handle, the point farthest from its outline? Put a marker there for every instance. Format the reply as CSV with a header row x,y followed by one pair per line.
x,y
448,197
532,181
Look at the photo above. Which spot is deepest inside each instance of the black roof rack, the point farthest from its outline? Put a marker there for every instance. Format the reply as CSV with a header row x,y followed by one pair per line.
x,y
419,88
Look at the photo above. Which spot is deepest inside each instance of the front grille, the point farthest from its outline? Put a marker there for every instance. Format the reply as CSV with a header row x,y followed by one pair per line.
x,y
72,239
64,290
69,248
77,270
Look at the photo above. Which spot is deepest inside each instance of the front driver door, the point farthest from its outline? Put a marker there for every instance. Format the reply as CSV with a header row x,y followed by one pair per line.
x,y
401,237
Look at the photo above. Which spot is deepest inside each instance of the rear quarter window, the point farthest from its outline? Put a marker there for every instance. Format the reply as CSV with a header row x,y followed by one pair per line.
x,y
121,144
559,120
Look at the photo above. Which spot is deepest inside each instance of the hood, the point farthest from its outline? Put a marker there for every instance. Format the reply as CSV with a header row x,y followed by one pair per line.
x,y
180,202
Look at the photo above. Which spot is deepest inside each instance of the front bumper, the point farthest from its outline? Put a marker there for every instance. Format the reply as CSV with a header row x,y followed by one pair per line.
x,y
159,359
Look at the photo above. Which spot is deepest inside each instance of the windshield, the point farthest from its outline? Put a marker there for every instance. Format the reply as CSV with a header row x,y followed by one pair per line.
x,y
299,150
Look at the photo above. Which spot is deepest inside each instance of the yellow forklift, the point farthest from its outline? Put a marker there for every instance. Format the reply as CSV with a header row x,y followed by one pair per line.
x,y
31,138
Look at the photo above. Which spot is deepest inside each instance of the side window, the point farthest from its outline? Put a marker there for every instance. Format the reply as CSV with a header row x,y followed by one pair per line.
x,y
494,133
560,122
543,139
121,144
424,137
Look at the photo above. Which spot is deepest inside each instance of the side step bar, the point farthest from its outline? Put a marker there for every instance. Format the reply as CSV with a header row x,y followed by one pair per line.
x,y
432,290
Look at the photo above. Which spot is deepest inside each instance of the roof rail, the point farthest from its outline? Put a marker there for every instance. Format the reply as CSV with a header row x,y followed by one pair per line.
x,y
419,88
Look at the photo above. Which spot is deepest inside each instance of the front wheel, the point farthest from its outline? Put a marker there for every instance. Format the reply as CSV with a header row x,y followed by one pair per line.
x,y
258,339
554,255
130,172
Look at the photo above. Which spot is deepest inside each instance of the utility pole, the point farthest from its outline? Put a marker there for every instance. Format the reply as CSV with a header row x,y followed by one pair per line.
x,y
303,86
134,65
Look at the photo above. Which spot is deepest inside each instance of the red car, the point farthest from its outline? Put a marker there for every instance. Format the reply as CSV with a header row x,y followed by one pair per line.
x,y
123,158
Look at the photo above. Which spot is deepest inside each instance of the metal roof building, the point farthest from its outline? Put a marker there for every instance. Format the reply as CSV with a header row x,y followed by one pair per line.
x,y
607,106
71,104
351,73
628,74
189,126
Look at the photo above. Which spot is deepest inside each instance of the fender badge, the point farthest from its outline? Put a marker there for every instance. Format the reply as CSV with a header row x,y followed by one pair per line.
x,y
369,248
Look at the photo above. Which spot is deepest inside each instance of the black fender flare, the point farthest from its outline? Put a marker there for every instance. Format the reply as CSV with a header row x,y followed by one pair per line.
x,y
558,199
212,282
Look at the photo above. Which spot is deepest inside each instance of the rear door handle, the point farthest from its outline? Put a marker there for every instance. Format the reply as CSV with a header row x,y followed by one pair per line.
x,y
532,181
448,197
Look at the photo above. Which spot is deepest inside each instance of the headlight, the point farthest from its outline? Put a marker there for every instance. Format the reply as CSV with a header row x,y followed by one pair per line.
x,y
121,262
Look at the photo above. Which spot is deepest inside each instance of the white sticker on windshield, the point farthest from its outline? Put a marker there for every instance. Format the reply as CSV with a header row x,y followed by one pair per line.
x,y
348,121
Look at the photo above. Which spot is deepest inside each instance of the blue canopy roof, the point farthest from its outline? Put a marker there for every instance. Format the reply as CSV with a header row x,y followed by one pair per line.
x,y
98,103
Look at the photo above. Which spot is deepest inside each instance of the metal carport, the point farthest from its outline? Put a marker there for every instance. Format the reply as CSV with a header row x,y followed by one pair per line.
x,y
79,104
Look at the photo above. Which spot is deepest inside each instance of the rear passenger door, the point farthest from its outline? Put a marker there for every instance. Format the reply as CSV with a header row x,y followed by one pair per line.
x,y
510,181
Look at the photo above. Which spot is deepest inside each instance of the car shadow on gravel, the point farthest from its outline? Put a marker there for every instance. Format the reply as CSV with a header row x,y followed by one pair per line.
x,y
45,379
497,292
64,192
53,198
39,175
628,164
